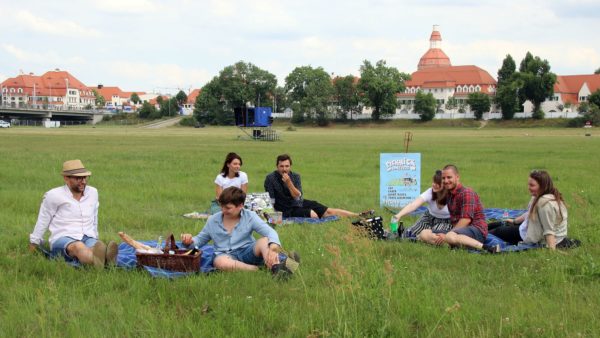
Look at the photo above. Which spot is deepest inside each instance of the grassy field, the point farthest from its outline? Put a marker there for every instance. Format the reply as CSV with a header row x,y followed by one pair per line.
x,y
347,285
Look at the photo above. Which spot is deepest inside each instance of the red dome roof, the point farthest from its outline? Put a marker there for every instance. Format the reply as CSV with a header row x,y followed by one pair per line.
x,y
434,58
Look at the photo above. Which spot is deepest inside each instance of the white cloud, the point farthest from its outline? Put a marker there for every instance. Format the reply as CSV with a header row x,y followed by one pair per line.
x,y
129,6
58,27
165,77
47,57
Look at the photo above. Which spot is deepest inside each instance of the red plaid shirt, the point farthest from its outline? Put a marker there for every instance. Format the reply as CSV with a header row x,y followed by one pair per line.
x,y
463,202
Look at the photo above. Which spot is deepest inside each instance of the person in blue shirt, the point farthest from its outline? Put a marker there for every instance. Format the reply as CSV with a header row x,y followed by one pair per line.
x,y
236,249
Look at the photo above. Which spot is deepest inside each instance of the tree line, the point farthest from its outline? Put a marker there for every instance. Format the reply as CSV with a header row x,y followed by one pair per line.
x,y
315,97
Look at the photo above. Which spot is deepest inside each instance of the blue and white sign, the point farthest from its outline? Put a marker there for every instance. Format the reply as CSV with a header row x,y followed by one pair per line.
x,y
400,179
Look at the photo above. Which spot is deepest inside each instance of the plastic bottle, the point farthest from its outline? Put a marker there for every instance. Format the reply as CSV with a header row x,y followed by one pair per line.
x,y
394,225
504,216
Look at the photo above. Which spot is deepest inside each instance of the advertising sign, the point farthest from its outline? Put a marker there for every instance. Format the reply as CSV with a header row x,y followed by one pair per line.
x,y
399,179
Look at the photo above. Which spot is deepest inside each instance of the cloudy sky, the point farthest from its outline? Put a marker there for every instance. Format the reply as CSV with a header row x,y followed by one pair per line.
x,y
156,45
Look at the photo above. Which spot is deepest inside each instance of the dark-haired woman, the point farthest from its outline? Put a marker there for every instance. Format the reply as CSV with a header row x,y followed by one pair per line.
x,y
545,221
230,175
437,216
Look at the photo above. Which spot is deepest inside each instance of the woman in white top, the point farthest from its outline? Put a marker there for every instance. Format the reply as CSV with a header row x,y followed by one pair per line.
x,y
437,216
230,175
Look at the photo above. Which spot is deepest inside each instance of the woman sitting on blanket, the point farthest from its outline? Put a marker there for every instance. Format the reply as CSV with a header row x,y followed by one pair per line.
x,y
235,248
437,216
230,175
544,222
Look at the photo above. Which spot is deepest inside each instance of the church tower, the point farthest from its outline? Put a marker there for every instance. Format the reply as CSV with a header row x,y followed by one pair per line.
x,y
435,56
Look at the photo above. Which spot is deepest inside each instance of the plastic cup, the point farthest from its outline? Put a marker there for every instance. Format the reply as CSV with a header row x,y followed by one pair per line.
x,y
276,217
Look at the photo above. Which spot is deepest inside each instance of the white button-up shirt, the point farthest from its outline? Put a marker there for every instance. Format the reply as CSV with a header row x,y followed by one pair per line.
x,y
65,216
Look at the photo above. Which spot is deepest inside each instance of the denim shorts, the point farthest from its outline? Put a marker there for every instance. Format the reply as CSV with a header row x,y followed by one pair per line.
x,y
245,255
59,247
470,231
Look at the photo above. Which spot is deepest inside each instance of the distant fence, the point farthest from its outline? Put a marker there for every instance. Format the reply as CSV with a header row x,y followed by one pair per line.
x,y
40,123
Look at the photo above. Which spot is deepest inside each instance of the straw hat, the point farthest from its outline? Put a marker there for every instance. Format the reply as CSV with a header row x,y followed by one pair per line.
x,y
74,168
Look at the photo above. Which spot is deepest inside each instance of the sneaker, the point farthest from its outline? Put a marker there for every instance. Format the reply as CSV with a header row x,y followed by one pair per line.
x,y
367,213
99,254
287,266
493,249
112,249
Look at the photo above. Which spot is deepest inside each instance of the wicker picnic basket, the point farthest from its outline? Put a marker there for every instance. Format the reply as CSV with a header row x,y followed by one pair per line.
x,y
173,258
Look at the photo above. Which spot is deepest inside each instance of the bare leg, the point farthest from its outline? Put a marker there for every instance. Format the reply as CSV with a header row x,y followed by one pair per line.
x,y
261,249
81,252
226,263
455,239
339,212
429,237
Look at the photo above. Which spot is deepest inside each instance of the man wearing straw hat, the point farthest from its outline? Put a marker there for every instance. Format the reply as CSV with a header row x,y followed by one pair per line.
x,y
70,212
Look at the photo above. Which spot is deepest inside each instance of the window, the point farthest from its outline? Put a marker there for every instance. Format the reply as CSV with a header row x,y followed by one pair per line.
x,y
20,90
477,88
12,90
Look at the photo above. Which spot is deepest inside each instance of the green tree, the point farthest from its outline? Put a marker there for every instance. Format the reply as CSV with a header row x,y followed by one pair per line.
x,y
452,103
169,107
147,111
537,81
346,95
312,89
280,100
583,107
181,98
508,86
425,105
378,86
99,99
210,106
505,73
597,71
159,100
135,98
479,103
594,98
236,86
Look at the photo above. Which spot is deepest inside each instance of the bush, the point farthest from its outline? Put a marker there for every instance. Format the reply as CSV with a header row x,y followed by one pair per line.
x,y
188,122
538,114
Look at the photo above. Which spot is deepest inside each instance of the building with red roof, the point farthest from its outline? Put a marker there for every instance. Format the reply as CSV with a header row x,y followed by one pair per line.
x,y
54,89
435,74
188,106
569,92
115,98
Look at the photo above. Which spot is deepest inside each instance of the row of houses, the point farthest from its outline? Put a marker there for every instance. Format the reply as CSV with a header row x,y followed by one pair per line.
x,y
60,90
435,74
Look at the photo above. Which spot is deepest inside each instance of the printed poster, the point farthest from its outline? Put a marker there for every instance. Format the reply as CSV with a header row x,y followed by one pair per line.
x,y
400,179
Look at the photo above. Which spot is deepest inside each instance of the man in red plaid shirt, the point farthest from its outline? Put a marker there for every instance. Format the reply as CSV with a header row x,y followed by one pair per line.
x,y
466,214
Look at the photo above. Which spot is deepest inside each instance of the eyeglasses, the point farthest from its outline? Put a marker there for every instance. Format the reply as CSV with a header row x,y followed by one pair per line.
x,y
79,178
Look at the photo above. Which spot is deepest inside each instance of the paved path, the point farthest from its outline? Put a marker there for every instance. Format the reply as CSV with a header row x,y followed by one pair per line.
x,y
163,123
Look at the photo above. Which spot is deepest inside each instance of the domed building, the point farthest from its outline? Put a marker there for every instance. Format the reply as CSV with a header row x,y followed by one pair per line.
x,y
435,74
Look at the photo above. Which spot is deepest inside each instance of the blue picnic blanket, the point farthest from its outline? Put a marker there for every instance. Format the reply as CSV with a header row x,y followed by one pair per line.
x,y
496,213
311,220
490,213
126,259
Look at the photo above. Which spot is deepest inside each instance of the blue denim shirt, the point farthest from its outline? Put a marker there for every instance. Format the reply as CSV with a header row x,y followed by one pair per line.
x,y
241,235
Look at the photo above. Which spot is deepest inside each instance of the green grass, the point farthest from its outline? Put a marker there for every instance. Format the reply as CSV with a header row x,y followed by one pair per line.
x,y
347,285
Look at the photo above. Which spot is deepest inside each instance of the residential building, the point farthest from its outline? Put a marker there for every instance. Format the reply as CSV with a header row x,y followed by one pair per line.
x,y
188,107
569,92
53,90
116,99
